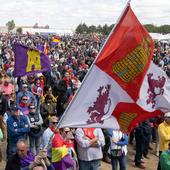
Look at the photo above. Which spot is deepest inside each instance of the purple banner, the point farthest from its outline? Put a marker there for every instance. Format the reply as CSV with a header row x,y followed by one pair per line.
x,y
29,61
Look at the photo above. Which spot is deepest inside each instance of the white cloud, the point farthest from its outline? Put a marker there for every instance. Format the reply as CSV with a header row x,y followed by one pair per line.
x,y
68,14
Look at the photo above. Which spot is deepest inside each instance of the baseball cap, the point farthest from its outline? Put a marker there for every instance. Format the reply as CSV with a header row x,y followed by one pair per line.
x,y
14,108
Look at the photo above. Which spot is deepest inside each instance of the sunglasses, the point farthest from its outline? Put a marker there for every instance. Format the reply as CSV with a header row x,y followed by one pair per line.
x,y
24,99
32,108
54,123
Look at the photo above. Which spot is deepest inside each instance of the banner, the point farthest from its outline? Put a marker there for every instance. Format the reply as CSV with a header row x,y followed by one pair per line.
x,y
108,96
29,61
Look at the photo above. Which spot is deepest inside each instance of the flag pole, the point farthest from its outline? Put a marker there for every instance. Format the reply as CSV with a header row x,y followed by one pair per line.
x,y
118,20
121,15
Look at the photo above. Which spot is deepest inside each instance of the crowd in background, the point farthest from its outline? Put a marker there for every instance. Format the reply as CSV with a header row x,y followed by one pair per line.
x,y
31,106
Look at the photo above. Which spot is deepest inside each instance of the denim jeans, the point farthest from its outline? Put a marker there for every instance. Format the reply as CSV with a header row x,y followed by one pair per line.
x,y
11,149
89,165
121,160
35,142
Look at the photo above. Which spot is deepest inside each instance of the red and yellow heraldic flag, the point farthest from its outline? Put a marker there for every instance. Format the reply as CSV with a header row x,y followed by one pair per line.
x,y
127,54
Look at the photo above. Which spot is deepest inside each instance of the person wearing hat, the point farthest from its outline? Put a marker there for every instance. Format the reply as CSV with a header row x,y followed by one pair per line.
x,y
17,128
164,135
35,122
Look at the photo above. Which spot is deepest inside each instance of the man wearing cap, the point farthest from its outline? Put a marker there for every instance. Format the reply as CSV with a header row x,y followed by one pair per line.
x,y
17,128
164,134
35,122
30,96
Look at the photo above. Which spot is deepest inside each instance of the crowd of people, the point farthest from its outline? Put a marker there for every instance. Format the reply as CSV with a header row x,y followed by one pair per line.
x,y
32,105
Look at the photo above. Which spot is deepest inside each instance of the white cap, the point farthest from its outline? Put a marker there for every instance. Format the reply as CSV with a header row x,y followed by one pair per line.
x,y
167,114
39,74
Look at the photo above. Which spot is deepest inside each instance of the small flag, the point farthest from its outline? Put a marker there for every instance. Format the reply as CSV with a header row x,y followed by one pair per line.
x,y
60,156
46,48
29,61
56,40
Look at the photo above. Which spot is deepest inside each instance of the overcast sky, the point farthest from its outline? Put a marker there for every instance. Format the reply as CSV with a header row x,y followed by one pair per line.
x,y
67,14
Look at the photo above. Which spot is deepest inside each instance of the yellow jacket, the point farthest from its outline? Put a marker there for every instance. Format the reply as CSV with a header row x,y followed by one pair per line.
x,y
164,136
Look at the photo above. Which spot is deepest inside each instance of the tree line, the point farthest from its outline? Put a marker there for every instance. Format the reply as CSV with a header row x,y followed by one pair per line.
x,y
105,29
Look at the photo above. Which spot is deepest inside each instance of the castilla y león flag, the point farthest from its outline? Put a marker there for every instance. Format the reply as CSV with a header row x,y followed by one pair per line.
x,y
29,61
108,96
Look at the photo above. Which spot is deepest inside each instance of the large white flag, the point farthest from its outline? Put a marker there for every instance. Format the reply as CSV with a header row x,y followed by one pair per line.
x,y
114,81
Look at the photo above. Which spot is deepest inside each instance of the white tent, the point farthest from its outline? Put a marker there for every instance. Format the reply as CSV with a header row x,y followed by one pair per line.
x,y
157,36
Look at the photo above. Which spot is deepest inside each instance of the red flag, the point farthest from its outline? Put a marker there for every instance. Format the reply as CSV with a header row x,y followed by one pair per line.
x,y
46,48
127,54
130,114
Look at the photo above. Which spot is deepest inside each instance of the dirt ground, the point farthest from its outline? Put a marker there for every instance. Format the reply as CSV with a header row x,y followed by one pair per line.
x,y
150,164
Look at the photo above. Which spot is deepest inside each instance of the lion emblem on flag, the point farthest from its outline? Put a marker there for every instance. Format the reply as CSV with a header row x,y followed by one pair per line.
x,y
155,88
101,106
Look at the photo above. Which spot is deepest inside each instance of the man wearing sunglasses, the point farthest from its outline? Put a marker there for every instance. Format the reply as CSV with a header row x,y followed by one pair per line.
x,y
30,96
35,121
53,121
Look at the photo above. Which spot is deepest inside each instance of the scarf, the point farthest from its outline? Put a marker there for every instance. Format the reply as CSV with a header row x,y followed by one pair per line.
x,y
23,104
89,132
27,160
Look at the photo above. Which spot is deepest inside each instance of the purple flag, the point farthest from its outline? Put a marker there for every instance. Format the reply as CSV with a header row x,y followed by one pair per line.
x,y
29,61
40,47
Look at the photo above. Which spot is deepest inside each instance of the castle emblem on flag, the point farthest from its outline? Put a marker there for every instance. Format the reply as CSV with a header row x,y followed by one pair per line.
x,y
155,88
101,106
134,63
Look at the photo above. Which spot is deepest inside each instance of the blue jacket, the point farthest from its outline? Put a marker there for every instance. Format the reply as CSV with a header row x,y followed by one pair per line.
x,y
17,127
123,141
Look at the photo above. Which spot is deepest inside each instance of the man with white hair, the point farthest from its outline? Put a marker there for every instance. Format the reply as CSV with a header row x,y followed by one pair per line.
x,y
48,133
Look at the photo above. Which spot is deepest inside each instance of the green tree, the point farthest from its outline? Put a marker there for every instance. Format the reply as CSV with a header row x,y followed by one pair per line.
x,y
105,29
35,25
164,29
19,30
151,28
82,28
47,26
91,29
10,25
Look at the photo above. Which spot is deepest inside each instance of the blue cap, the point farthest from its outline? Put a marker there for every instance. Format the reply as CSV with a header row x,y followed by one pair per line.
x,y
14,108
